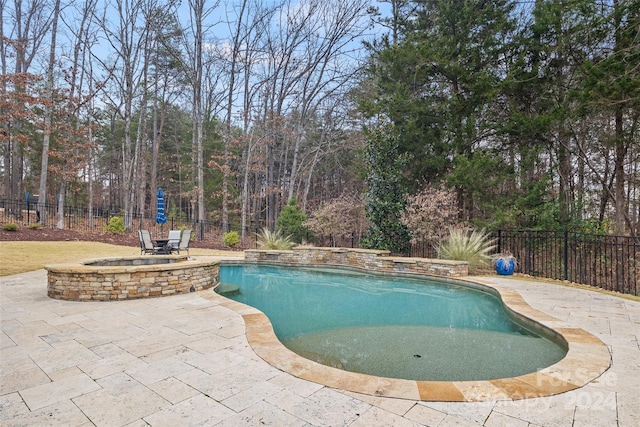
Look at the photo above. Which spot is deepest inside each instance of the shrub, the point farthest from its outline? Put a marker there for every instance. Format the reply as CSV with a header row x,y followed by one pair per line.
x,y
291,221
35,226
273,240
386,164
465,245
230,238
430,213
339,217
176,214
115,225
10,226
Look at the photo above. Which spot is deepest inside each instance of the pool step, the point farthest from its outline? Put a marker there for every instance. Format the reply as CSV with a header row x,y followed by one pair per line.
x,y
227,289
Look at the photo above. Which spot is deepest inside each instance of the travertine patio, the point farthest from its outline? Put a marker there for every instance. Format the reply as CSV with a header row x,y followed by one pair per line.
x,y
185,360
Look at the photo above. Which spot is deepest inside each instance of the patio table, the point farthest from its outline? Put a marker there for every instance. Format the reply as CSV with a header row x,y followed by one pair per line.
x,y
164,245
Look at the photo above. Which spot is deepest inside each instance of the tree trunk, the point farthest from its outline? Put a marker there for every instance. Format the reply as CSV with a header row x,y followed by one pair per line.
x,y
61,197
245,188
621,154
90,170
227,131
197,11
44,161
564,176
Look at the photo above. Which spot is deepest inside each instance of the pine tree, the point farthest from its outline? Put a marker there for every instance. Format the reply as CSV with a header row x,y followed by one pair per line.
x,y
290,222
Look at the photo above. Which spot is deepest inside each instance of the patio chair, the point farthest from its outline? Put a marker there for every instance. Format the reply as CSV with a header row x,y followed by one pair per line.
x,y
146,244
185,238
174,240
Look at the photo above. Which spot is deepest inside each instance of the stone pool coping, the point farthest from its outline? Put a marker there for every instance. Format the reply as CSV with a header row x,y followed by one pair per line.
x,y
587,358
380,261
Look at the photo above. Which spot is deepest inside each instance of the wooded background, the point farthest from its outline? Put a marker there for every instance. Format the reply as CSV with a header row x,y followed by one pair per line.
x,y
489,113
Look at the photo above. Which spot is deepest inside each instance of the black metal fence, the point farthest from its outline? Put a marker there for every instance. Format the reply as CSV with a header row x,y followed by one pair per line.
x,y
607,262
95,219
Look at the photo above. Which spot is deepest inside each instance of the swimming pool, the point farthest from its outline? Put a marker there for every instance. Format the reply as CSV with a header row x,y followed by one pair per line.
x,y
396,327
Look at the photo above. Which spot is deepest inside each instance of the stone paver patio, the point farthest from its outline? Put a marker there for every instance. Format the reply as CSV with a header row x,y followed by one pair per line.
x,y
184,360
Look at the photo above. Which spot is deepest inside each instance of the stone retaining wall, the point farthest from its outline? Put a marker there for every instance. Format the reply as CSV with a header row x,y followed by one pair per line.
x,y
135,278
365,259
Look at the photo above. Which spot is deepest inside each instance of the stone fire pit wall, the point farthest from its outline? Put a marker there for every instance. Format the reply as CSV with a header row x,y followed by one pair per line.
x,y
117,279
365,259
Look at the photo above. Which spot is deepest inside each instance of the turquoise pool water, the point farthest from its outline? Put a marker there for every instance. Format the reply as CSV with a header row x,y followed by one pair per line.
x,y
388,326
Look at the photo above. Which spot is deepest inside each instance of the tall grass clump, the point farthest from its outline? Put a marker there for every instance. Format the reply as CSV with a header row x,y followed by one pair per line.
x,y
273,240
473,246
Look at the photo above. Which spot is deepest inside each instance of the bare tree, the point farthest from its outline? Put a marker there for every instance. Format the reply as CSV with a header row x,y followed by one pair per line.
x,y
327,68
309,55
44,164
166,72
81,74
246,23
23,31
194,48
125,35
237,38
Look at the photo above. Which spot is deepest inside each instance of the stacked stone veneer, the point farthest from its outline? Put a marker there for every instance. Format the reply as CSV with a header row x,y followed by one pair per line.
x,y
116,279
365,259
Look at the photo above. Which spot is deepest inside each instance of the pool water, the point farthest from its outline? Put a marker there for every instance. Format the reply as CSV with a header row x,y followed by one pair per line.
x,y
397,327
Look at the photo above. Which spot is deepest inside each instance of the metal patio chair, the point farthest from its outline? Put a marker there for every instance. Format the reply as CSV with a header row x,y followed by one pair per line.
x,y
174,240
146,244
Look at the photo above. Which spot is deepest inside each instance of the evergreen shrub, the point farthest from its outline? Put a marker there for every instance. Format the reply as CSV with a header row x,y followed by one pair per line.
x,y
291,222
230,239
115,225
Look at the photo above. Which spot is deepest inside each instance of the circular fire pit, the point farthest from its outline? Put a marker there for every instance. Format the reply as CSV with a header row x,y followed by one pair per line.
x,y
116,279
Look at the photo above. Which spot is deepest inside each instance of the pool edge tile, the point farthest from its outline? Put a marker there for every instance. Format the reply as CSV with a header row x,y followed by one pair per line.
x,y
587,358
263,340
533,385
481,391
440,391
